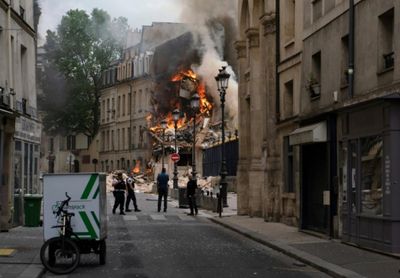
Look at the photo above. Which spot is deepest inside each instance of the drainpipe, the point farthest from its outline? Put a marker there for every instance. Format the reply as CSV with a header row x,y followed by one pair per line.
x,y
351,49
277,59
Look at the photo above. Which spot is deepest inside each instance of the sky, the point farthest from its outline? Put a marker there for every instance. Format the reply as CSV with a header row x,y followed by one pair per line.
x,y
138,12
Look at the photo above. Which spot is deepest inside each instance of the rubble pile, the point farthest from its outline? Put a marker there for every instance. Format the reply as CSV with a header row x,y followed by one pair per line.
x,y
142,184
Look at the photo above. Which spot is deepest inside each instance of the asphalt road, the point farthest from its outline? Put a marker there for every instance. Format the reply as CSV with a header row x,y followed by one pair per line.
x,y
149,244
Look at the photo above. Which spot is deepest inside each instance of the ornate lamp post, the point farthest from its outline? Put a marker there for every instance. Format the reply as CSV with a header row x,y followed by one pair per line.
x,y
163,126
194,103
175,116
222,81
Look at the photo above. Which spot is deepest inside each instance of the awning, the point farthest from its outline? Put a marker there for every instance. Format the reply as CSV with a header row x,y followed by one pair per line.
x,y
308,134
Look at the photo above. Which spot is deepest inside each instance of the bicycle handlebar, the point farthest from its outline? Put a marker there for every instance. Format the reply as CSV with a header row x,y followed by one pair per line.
x,y
63,204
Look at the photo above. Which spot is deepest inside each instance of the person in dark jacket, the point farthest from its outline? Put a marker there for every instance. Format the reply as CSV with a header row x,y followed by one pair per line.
x,y
191,195
130,185
119,194
162,188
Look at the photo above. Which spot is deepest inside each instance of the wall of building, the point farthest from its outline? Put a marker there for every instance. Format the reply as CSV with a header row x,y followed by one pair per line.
x,y
20,151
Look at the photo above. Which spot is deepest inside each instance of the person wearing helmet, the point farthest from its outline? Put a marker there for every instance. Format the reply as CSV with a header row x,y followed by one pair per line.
x,y
130,184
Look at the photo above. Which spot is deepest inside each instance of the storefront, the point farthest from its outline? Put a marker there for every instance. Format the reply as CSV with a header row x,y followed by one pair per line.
x,y
26,163
369,154
316,144
7,126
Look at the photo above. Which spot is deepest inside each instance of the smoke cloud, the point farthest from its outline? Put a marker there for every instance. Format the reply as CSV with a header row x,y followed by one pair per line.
x,y
212,23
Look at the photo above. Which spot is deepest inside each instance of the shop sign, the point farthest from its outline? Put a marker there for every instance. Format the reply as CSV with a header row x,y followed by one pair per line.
x,y
27,130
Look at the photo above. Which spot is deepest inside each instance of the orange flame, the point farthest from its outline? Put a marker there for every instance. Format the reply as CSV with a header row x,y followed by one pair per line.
x,y
136,170
186,73
205,105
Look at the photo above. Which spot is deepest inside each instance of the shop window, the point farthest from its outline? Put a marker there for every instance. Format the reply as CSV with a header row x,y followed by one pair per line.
x,y
353,175
18,145
371,175
386,47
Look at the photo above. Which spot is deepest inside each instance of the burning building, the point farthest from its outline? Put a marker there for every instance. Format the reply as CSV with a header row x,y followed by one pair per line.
x,y
134,105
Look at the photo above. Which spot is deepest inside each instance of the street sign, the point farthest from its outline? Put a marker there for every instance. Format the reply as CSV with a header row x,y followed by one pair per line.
x,y
175,157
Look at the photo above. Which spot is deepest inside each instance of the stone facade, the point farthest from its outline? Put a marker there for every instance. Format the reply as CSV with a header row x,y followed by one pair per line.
x,y
19,124
318,128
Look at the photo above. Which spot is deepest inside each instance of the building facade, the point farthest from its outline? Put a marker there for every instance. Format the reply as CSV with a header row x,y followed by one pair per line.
x,y
335,129
126,100
20,128
125,104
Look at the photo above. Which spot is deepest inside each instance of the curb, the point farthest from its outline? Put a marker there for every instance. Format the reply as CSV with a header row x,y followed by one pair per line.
x,y
33,270
324,266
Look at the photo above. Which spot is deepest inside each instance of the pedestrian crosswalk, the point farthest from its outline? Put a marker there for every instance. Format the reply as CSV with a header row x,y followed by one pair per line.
x,y
158,217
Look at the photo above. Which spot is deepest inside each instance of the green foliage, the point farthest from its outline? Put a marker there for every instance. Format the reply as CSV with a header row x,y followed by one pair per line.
x,y
82,47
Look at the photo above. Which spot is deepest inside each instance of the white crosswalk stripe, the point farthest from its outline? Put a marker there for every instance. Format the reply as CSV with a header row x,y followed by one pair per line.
x,y
158,217
130,217
186,218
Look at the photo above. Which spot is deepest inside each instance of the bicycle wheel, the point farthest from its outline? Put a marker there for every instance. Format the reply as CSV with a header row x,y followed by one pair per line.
x,y
60,255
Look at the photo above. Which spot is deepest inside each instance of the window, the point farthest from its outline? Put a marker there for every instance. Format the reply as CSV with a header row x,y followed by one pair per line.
x,y
134,137
24,70
329,5
107,140
316,9
140,103
71,142
386,47
112,108
112,140
371,175
118,139
123,105
119,106
129,137
344,80
102,141
289,18
103,111
123,139
288,99
313,84
108,109
22,12
51,145
288,164
129,103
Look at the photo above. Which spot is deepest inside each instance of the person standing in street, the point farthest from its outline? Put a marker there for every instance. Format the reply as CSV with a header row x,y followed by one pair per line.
x,y
130,184
119,193
191,195
162,188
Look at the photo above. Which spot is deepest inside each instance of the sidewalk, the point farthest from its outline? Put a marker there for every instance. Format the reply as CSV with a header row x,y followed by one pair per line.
x,y
19,252
330,256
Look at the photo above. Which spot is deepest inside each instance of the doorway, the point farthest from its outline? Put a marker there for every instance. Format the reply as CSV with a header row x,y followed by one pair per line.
x,y
314,181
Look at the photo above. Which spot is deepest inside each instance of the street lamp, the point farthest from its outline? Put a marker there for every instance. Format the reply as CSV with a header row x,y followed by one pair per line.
x,y
164,126
175,116
222,81
194,103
